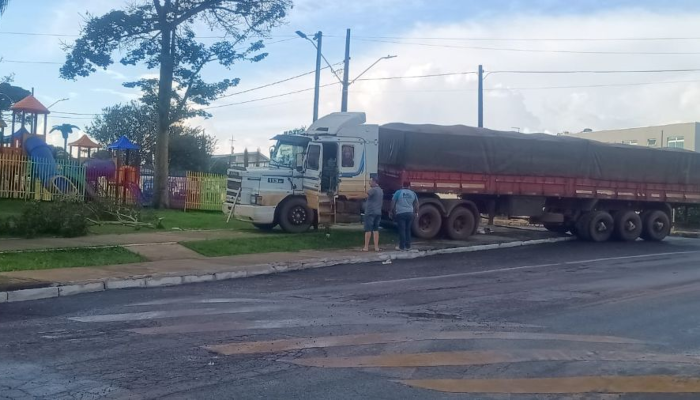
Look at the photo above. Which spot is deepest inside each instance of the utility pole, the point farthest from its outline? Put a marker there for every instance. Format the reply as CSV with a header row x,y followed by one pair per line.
x,y
346,73
481,96
317,86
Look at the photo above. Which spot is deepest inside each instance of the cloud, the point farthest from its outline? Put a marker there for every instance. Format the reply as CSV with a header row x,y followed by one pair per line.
x,y
529,102
124,95
113,74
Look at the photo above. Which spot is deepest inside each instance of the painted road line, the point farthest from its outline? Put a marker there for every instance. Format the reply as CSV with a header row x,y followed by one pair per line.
x,y
569,385
282,345
466,358
246,325
197,300
168,314
490,271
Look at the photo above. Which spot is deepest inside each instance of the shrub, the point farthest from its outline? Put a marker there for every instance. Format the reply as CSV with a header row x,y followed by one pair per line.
x,y
64,219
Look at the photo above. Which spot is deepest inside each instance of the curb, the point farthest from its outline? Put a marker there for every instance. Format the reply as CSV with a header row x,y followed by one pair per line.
x,y
247,271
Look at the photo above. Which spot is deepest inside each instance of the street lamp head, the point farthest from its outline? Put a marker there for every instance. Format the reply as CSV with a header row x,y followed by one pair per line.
x,y
389,56
301,34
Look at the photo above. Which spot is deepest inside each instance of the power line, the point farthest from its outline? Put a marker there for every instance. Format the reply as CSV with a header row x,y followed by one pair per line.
x,y
531,50
268,97
275,83
416,76
519,39
591,86
29,62
71,113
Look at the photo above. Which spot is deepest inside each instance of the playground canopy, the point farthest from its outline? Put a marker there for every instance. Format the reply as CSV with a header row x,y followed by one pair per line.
x,y
83,143
30,104
123,143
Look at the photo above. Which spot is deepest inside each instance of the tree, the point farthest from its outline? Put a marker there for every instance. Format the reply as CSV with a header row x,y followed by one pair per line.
x,y
3,6
66,130
160,34
190,147
10,94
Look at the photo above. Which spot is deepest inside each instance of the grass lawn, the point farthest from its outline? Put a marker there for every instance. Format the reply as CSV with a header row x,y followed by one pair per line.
x,y
66,259
172,220
283,242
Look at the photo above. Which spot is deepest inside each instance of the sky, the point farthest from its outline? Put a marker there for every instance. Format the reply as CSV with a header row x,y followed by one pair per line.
x,y
448,38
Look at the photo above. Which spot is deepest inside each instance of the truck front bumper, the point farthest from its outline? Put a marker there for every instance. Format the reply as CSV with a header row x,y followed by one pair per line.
x,y
254,214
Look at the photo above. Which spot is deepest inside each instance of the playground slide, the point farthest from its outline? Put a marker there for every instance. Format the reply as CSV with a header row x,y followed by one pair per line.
x,y
46,170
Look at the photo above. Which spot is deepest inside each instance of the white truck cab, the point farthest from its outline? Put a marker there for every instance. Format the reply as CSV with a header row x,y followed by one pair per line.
x,y
332,160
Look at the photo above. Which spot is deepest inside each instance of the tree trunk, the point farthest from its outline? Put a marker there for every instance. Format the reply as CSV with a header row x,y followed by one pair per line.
x,y
161,190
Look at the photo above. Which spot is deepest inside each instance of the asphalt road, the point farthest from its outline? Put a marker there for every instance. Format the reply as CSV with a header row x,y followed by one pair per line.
x,y
569,320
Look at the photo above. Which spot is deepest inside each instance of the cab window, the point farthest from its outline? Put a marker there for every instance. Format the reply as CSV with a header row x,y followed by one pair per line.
x,y
312,160
348,156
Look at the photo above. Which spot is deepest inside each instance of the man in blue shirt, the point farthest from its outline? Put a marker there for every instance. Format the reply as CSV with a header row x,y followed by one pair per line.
x,y
404,206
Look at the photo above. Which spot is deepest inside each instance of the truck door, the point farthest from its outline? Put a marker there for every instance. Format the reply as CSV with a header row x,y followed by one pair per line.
x,y
353,179
312,168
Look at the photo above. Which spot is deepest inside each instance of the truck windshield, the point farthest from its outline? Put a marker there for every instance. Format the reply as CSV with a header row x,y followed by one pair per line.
x,y
285,154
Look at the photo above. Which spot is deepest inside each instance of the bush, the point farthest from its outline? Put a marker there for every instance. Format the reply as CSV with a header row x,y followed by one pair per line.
x,y
56,218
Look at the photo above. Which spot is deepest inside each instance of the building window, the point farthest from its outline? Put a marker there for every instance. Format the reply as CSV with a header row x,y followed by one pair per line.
x,y
348,156
630,142
651,142
312,160
677,142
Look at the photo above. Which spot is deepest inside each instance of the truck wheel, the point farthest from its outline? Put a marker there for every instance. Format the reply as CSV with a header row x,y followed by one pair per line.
x,y
656,226
557,228
581,226
460,224
600,226
428,223
295,216
628,226
265,227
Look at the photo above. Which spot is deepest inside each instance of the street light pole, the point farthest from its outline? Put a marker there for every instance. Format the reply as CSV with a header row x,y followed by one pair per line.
x,y
481,96
346,74
317,85
57,101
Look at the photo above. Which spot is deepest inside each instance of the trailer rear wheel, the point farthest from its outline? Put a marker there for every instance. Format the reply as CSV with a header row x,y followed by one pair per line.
x,y
628,226
656,226
428,223
600,226
460,224
581,226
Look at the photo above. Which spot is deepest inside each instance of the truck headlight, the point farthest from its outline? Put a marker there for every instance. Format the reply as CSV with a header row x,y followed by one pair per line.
x,y
255,199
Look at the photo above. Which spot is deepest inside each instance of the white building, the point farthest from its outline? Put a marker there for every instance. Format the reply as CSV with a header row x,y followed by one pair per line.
x,y
684,135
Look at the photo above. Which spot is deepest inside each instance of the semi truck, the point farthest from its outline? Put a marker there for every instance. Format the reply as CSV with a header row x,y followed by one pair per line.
x,y
594,190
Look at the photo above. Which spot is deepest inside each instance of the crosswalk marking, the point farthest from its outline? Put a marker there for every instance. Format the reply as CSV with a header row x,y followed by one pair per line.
x,y
584,384
464,358
384,338
139,316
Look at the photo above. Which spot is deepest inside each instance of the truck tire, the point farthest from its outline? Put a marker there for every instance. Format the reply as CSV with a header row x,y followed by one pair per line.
x,y
460,224
656,226
628,226
428,223
600,226
558,228
265,227
581,226
295,216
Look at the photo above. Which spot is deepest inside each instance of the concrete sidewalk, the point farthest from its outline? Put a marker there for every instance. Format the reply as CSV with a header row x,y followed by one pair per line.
x,y
49,282
118,240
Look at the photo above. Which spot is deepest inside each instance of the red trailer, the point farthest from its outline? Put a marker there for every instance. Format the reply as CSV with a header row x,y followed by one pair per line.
x,y
594,190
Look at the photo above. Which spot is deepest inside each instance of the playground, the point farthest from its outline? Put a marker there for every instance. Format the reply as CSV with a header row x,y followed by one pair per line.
x,y
31,171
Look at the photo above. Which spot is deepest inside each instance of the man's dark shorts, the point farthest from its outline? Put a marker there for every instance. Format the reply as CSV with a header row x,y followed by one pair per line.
x,y
372,222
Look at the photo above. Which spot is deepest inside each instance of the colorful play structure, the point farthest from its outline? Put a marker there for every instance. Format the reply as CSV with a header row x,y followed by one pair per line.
x,y
29,170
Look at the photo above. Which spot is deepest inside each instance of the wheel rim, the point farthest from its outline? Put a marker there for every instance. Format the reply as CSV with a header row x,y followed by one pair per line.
x,y
424,223
297,216
630,226
658,225
458,224
602,227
